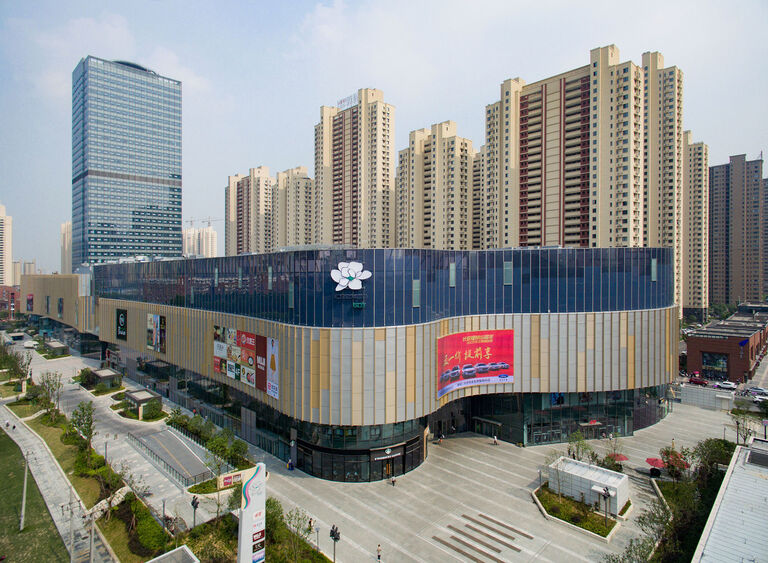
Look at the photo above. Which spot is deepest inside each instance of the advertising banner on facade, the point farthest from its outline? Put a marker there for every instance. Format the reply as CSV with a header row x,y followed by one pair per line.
x,y
251,546
30,302
273,380
243,356
474,358
121,324
156,333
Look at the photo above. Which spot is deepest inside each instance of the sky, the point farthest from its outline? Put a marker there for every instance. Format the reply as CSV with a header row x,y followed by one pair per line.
x,y
254,75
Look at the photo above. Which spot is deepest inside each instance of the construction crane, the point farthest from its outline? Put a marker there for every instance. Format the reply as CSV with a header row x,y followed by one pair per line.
x,y
192,220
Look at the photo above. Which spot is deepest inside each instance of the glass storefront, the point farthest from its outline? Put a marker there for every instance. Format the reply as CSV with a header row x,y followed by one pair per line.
x,y
546,418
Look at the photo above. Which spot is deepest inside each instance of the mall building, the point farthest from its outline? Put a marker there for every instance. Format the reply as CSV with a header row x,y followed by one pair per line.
x,y
346,361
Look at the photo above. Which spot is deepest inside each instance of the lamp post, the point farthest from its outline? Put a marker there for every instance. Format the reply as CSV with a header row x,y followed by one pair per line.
x,y
606,495
335,536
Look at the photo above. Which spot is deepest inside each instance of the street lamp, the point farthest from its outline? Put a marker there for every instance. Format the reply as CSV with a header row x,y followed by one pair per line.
x,y
606,495
335,536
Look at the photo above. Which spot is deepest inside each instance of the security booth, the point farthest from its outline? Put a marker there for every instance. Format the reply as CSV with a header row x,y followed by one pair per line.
x,y
584,482
108,377
56,348
139,398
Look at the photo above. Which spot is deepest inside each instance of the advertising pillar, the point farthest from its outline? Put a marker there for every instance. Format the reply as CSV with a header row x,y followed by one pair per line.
x,y
251,534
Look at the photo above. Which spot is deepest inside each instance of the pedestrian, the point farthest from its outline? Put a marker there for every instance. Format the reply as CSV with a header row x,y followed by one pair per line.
x,y
7,424
495,441
394,481
14,427
378,552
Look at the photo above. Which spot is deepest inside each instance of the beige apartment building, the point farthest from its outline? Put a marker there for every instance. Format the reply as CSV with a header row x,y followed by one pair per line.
x,y
736,246
200,242
248,210
435,190
563,158
66,248
293,208
355,172
695,222
6,248
663,171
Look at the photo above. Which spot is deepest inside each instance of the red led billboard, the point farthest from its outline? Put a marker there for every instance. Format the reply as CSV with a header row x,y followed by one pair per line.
x,y
474,358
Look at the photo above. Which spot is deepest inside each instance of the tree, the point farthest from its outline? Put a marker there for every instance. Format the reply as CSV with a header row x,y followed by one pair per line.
x,y
675,462
215,460
744,426
298,520
51,384
84,423
273,519
555,475
708,454
578,445
152,409
196,425
87,377
238,450
763,406
235,501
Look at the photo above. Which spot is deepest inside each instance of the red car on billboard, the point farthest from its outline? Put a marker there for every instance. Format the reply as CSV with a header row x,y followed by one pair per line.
x,y
474,358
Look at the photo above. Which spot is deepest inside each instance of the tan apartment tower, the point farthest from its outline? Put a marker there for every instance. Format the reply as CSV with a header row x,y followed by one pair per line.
x,y
663,166
736,224
230,215
563,159
434,190
293,212
6,248
248,210
66,248
200,242
695,221
354,172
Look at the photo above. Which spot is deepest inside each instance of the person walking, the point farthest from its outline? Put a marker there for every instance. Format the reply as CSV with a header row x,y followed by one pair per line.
x,y
495,440
378,552
394,481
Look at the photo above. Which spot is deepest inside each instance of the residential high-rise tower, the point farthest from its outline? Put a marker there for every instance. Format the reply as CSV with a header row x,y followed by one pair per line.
x,y
6,248
66,248
355,172
126,162
736,219
695,221
199,242
435,190
293,213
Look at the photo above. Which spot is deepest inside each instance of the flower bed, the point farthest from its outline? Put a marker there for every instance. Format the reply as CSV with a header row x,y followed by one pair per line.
x,y
574,512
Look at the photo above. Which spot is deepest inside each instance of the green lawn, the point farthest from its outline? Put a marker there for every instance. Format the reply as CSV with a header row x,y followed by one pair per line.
x,y
116,535
40,541
107,391
88,489
23,408
8,390
573,512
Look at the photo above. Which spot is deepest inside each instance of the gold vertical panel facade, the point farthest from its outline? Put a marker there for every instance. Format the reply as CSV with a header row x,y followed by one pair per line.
x,y
314,368
325,376
535,346
410,365
357,383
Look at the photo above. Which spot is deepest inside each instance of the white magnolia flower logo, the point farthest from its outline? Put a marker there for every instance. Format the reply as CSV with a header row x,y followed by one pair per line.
x,y
350,274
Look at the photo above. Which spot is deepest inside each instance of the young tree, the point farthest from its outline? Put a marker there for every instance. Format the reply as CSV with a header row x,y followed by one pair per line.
x,y
744,426
215,460
51,384
579,446
234,501
554,475
84,423
298,520
675,462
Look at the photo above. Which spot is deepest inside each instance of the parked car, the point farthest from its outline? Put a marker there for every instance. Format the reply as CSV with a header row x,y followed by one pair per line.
x,y
730,385
468,371
696,380
757,390
759,399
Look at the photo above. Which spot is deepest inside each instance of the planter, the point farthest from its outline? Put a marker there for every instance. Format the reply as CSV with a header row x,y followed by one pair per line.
x,y
548,516
624,517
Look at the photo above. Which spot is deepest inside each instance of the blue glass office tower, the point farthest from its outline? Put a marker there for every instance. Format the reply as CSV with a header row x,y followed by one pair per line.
x,y
126,162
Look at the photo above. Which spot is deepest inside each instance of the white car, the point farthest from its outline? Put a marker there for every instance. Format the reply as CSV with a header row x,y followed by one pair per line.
x,y
759,399
730,385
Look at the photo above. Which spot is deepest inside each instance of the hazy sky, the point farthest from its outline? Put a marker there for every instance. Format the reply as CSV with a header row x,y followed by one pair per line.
x,y
256,73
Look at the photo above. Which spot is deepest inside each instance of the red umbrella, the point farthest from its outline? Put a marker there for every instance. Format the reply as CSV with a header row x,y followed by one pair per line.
x,y
618,457
655,462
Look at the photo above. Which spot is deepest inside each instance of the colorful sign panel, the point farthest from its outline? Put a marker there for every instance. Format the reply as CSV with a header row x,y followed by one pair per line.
x,y
251,546
474,358
30,302
244,356
121,324
156,333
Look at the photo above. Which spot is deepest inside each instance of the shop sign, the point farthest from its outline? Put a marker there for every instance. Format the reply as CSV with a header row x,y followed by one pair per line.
x,y
387,453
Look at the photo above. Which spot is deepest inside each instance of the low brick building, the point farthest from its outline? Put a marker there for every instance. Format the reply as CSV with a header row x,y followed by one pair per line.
x,y
9,298
730,349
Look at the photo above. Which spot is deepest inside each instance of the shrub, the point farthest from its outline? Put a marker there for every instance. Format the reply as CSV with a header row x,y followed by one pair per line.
x,y
87,377
101,388
196,424
150,533
152,409
554,509
274,519
119,396
34,393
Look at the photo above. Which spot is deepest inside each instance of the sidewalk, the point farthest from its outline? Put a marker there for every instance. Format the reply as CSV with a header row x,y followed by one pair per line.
x,y
55,488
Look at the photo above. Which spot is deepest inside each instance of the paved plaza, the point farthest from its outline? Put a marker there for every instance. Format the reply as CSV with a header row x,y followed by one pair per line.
x,y
469,501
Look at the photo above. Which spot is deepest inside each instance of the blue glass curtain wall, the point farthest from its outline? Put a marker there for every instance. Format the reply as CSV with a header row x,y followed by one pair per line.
x,y
543,280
